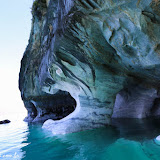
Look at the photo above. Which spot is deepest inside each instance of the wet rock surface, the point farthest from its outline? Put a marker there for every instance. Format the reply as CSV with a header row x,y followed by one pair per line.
x,y
102,53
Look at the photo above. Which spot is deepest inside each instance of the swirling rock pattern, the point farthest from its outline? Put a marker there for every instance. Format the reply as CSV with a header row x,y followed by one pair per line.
x,y
91,60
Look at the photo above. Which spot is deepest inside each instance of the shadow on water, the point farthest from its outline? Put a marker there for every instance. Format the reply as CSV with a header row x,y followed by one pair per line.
x,y
137,129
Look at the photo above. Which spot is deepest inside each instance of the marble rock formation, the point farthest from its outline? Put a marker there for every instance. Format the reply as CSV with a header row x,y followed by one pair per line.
x,y
88,61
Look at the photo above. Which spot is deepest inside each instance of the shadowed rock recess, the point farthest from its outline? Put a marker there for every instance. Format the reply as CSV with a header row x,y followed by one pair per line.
x,y
88,61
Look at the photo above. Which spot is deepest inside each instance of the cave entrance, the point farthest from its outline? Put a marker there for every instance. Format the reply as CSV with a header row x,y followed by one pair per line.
x,y
55,107
63,105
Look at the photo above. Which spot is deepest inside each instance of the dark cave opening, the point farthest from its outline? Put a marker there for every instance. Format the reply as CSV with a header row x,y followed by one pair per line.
x,y
54,107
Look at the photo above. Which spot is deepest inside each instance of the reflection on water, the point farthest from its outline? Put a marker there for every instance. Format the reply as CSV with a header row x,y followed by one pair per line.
x,y
128,140
138,129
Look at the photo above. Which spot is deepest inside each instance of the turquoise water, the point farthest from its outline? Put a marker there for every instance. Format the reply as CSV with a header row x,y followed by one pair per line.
x,y
134,141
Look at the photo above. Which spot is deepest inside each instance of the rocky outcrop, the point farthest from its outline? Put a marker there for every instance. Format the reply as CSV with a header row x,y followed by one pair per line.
x,y
90,60
5,121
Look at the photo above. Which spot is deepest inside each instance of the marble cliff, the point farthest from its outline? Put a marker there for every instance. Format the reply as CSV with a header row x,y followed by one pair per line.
x,y
88,61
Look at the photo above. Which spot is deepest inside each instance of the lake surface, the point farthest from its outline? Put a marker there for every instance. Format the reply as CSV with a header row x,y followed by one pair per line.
x,y
130,140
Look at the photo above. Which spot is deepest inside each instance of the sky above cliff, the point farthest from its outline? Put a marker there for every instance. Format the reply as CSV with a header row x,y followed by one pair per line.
x,y
15,25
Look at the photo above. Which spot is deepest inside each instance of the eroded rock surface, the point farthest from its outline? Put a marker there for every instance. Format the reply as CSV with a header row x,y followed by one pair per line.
x,y
90,59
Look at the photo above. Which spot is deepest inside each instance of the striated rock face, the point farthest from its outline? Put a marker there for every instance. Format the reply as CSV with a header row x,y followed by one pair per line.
x,y
90,60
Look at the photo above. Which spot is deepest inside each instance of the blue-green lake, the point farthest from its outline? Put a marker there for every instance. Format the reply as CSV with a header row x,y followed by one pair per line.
x,y
130,141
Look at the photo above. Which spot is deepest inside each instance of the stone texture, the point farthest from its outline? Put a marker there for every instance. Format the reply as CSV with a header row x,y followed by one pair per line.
x,y
136,102
92,51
